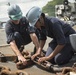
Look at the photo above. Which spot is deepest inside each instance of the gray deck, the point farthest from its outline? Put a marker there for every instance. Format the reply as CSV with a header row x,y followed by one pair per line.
x,y
34,70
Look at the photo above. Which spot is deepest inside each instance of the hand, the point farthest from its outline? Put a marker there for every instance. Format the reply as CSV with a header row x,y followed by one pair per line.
x,y
22,59
42,59
35,55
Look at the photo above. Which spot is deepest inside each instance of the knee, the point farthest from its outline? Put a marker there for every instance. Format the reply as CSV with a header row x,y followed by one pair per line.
x,y
16,34
59,60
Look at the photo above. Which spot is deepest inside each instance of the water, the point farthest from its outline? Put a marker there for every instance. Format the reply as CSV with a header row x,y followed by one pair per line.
x,y
25,5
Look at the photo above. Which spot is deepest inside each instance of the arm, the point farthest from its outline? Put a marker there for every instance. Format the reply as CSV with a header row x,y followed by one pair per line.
x,y
39,46
36,42
14,47
59,36
53,54
17,52
11,41
42,43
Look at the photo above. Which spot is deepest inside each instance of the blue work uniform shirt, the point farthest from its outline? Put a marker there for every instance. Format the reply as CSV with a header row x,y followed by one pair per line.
x,y
56,29
23,28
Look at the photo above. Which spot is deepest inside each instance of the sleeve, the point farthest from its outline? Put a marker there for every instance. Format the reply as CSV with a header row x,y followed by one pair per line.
x,y
58,33
31,29
9,33
42,34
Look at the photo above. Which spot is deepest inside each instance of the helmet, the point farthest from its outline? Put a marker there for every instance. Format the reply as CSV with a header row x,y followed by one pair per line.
x,y
33,15
14,12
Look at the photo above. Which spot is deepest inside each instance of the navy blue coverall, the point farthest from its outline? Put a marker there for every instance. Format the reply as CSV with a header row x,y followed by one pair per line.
x,y
59,31
19,33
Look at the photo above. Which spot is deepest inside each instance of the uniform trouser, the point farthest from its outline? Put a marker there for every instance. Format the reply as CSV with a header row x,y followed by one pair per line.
x,y
19,41
63,56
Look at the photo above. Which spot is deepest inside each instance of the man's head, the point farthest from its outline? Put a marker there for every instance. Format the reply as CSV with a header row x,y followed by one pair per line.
x,y
14,12
34,16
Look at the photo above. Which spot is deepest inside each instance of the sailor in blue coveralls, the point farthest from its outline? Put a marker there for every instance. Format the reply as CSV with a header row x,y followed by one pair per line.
x,y
18,32
59,50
